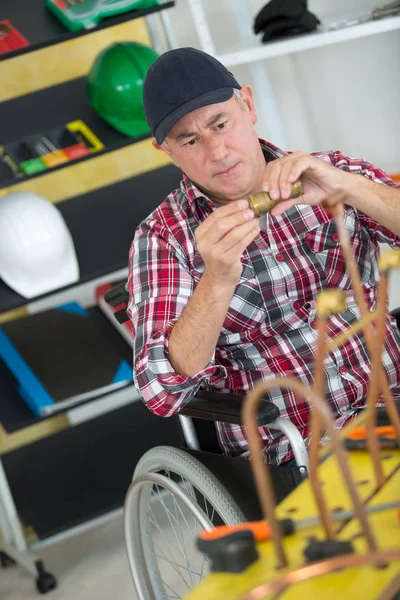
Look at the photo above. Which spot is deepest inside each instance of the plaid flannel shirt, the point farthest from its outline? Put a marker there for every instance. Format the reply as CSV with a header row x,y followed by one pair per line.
x,y
269,326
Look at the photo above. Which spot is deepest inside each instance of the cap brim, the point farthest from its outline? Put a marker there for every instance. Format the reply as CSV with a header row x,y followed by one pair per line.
x,y
214,97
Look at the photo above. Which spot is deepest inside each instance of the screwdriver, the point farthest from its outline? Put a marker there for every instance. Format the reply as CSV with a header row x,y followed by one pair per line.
x,y
261,530
357,438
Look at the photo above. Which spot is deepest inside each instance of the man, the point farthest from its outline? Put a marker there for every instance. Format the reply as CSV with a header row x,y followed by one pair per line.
x,y
218,300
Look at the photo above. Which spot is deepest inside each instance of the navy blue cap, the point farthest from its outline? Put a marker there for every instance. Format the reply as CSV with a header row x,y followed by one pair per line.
x,y
180,81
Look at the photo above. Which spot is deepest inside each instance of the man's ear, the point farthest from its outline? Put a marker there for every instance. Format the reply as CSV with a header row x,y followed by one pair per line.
x,y
163,147
248,101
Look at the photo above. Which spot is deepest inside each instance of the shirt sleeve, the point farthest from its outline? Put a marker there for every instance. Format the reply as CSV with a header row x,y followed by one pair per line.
x,y
160,286
361,167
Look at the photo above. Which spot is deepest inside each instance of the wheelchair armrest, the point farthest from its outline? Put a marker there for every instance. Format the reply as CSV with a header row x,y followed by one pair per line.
x,y
226,408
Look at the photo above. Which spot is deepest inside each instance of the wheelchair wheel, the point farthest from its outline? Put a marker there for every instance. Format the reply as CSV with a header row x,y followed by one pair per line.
x,y
172,498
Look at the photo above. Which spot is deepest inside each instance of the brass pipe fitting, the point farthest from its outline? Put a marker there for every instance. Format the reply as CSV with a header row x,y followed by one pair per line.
x,y
262,203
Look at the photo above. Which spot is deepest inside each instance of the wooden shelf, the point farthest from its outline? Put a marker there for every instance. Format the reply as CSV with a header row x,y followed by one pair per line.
x,y
41,28
54,107
103,223
317,39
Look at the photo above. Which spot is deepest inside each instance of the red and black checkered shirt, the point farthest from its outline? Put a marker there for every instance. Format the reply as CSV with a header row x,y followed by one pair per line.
x,y
268,329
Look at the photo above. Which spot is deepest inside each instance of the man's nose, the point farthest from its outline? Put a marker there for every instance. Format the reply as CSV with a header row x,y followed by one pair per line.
x,y
217,149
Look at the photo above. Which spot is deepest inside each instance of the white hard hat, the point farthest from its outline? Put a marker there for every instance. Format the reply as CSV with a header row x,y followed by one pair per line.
x,y
37,253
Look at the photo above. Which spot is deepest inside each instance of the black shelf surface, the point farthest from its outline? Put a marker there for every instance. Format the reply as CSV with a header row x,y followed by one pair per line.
x,y
15,413
83,472
41,28
54,107
103,223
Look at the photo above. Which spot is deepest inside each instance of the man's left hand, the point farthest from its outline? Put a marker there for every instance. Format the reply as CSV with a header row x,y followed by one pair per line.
x,y
317,177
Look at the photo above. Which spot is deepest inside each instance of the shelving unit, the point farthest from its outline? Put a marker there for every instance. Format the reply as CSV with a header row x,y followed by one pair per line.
x,y
317,39
55,489
41,28
75,478
101,225
249,49
14,412
54,107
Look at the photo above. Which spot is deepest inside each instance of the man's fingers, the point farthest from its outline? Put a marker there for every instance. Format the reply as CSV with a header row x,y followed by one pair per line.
x,y
281,173
283,206
298,168
237,237
238,249
284,184
219,227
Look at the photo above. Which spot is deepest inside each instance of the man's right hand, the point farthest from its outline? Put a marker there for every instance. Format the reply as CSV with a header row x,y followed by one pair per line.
x,y
223,237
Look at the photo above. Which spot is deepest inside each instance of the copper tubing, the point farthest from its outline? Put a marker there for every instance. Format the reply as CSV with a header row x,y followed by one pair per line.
x,y
316,428
350,331
261,472
373,388
392,590
279,584
262,203
329,302
333,203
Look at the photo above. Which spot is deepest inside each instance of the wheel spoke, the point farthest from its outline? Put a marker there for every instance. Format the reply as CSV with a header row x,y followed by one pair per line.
x,y
163,535
173,565
170,529
171,518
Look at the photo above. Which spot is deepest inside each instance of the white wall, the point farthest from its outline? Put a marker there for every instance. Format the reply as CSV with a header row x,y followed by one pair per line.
x,y
340,96
343,96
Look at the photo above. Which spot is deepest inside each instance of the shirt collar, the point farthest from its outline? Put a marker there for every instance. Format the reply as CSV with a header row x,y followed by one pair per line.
x,y
197,198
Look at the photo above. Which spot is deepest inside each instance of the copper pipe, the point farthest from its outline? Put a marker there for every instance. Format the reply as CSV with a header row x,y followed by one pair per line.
x,y
261,473
390,592
329,302
316,428
279,584
350,331
368,331
373,388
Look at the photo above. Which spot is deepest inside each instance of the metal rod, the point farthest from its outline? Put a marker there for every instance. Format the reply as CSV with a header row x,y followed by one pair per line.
x,y
8,504
343,515
202,28
189,432
295,440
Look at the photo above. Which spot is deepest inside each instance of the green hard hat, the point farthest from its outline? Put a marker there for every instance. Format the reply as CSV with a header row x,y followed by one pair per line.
x,y
114,86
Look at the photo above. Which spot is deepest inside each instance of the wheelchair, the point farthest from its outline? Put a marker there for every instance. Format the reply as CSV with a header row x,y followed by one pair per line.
x,y
178,492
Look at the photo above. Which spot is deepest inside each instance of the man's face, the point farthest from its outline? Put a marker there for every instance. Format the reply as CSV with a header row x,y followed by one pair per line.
x,y
218,149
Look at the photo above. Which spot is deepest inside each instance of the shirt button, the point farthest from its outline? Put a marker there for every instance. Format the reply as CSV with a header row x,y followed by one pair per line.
x,y
296,305
280,257
342,370
335,237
